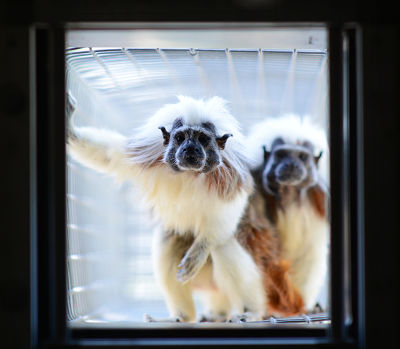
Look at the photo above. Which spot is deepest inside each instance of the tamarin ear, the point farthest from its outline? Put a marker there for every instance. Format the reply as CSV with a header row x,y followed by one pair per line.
x,y
276,142
316,158
166,135
266,153
222,140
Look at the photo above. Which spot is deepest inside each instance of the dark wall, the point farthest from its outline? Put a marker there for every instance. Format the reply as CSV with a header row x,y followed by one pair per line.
x,y
381,131
380,81
14,187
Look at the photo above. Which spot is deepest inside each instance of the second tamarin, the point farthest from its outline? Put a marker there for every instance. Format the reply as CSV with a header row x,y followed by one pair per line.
x,y
289,177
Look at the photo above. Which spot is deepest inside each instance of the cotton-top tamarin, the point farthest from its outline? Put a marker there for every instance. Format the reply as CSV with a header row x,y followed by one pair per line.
x,y
196,177
289,176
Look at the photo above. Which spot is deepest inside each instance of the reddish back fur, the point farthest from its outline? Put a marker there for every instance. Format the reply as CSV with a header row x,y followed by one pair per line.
x,y
317,197
225,181
283,297
257,236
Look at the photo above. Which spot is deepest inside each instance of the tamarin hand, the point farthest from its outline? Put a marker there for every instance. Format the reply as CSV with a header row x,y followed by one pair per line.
x,y
194,259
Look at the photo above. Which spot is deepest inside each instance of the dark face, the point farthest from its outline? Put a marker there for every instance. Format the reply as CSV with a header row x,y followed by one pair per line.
x,y
193,148
289,165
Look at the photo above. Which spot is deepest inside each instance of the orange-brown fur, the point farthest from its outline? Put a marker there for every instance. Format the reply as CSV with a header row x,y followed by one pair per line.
x,y
315,194
258,237
317,197
225,181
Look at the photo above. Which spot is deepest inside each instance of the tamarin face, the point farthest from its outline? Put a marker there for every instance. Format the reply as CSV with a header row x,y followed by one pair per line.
x,y
193,148
289,165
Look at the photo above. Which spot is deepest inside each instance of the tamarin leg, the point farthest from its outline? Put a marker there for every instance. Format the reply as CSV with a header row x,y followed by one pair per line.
x,y
218,306
236,275
168,250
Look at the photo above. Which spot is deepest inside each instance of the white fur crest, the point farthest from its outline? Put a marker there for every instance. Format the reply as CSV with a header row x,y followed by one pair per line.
x,y
192,112
293,130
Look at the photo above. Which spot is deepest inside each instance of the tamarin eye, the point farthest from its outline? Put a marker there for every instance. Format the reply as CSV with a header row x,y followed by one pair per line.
x,y
203,139
179,138
280,154
303,157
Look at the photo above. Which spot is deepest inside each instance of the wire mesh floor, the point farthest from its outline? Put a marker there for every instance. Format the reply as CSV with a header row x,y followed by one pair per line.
x,y
131,315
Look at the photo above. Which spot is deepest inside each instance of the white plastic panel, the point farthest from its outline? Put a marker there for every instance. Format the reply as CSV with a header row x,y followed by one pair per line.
x,y
109,230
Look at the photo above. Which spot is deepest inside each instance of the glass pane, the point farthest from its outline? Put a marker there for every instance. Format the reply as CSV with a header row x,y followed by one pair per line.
x,y
270,78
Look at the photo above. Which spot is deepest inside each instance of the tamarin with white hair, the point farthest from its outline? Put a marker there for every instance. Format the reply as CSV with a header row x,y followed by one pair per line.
x,y
197,180
289,177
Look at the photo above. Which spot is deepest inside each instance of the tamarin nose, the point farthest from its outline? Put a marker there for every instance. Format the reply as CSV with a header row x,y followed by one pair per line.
x,y
193,149
289,166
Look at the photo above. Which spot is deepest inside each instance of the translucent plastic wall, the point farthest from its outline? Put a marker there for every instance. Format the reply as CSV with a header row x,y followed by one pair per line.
x,y
109,229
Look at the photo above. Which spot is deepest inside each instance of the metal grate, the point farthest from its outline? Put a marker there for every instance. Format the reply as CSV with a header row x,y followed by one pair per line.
x,y
303,319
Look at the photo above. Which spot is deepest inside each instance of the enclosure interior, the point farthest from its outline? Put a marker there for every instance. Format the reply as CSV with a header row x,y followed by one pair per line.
x,y
119,79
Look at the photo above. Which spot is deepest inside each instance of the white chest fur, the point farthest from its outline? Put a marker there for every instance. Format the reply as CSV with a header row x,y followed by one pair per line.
x,y
184,202
304,240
